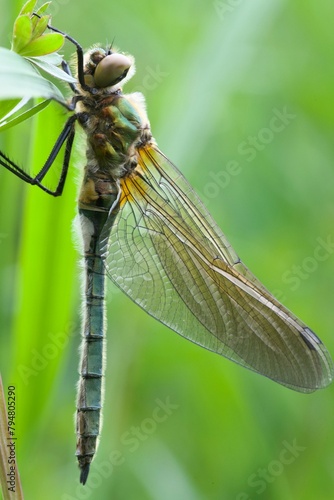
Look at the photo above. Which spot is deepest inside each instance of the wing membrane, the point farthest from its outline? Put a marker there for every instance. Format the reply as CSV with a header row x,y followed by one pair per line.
x,y
168,255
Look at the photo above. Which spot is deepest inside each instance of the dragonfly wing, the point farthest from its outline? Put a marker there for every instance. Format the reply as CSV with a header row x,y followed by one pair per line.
x,y
168,255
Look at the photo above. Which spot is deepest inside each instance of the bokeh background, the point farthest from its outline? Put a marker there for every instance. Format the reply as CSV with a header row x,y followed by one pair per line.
x,y
215,74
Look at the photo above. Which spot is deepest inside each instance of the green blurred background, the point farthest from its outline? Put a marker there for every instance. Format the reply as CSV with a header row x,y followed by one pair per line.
x,y
214,75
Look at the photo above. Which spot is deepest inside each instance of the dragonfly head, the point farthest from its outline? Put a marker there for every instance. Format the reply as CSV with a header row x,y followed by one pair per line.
x,y
107,69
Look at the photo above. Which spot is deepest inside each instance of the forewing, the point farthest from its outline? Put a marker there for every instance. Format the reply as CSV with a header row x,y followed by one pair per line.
x,y
168,255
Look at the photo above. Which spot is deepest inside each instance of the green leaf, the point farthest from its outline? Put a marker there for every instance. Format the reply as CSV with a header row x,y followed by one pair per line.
x,y
55,59
43,8
7,106
51,67
24,116
39,25
12,107
19,78
28,7
22,33
44,44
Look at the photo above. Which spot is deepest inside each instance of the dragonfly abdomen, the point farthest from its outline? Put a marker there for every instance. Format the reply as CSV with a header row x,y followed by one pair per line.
x,y
90,392
89,401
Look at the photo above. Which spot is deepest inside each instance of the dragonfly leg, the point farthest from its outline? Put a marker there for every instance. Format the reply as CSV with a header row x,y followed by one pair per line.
x,y
80,57
67,69
67,135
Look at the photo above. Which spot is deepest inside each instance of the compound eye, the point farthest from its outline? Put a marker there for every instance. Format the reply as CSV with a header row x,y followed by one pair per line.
x,y
111,70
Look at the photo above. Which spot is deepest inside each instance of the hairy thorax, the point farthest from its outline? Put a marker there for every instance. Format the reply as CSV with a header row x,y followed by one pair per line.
x,y
115,126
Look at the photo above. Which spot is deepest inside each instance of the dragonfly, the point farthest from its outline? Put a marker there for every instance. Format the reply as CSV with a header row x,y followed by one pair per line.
x,y
144,227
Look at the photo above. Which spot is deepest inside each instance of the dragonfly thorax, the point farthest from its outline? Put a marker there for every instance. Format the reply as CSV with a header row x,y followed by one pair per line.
x,y
114,128
116,125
